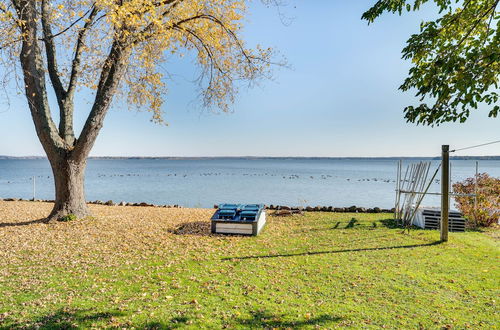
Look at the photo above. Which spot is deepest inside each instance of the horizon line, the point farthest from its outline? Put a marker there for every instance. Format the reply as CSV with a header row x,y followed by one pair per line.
x,y
255,157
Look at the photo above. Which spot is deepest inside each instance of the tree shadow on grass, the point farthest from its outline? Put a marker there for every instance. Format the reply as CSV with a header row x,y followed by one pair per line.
x,y
334,251
396,224
353,222
22,223
65,319
174,323
391,223
477,229
267,320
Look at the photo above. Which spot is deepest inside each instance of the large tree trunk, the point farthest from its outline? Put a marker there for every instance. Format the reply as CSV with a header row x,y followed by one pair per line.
x,y
69,184
67,155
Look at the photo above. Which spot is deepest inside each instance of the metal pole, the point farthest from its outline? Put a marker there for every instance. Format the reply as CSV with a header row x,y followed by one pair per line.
x,y
445,190
475,186
398,181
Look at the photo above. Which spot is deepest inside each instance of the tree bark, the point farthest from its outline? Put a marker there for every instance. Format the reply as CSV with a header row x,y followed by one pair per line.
x,y
69,177
67,155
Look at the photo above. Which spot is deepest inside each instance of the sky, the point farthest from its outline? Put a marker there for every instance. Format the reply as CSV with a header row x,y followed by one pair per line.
x,y
338,98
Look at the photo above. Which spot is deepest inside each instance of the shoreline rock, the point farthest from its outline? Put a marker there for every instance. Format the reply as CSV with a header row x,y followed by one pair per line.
x,y
284,209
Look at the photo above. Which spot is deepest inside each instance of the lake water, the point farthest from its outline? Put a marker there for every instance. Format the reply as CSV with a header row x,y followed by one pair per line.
x,y
202,183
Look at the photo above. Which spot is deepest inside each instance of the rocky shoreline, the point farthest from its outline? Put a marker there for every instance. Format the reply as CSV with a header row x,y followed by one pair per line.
x,y
350,209
280,209
96,202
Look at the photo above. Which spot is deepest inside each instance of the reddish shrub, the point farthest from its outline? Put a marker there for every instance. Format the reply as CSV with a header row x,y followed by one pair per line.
x,y
487,210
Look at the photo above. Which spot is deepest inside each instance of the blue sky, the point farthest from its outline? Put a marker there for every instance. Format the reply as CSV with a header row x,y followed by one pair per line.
x,y
340,98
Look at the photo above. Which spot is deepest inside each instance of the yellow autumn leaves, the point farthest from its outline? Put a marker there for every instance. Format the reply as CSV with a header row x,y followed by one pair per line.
x,y
151,30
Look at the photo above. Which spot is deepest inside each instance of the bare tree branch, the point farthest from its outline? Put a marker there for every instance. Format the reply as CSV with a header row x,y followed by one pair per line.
x,y
71,25
34,79
112,71
75,66
65,108
50,50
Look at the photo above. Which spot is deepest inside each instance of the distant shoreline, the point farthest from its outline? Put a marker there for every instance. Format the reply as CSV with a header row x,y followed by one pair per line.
x,y
3,157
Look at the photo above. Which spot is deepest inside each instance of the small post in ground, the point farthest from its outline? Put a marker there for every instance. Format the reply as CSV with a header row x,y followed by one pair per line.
x,y
445,189
34,188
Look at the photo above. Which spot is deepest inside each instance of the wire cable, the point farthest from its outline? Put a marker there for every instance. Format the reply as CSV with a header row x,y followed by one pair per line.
x,y
476,146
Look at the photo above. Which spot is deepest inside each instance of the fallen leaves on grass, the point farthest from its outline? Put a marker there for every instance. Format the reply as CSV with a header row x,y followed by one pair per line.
x,y
193,228
112,235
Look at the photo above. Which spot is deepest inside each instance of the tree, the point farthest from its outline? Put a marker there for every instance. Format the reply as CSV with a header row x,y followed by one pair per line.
x,y
456,58
115,47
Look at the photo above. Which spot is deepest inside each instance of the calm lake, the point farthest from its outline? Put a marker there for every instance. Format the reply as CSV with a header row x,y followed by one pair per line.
x,y
203,182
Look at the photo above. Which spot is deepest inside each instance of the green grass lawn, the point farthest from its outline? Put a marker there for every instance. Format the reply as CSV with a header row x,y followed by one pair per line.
x,y
318,270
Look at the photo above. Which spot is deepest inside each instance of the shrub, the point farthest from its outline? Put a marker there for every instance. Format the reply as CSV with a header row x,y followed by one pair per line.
x,y
69,217
487,210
